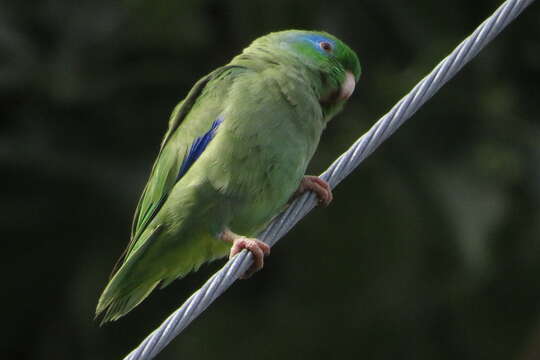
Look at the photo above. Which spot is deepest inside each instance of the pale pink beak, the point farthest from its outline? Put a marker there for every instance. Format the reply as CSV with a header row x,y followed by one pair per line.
x,y
347,88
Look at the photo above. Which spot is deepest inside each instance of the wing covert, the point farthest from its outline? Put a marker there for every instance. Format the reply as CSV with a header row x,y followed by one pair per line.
x,y
184,141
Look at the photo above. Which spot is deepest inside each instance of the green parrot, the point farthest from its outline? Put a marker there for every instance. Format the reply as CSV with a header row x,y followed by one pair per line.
x,y
234,155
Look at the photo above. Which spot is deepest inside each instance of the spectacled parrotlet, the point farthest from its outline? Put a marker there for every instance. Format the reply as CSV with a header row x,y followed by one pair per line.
x,y
234,155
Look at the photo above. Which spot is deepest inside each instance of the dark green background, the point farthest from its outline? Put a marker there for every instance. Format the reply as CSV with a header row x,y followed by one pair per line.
x,y
431,249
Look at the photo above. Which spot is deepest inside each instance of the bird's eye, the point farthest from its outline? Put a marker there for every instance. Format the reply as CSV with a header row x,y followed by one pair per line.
x,y
326,46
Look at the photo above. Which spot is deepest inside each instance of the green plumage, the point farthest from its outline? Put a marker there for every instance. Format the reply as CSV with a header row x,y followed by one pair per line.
x,y
274,101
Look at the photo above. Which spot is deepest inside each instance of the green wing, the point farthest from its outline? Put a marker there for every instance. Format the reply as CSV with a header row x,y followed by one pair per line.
x,y
183,130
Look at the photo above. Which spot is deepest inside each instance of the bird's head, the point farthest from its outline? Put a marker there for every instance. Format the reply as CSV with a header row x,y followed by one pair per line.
x,y
333,65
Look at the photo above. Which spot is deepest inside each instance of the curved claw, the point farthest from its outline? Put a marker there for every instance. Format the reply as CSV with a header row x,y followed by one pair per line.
x,y
320,187
255,246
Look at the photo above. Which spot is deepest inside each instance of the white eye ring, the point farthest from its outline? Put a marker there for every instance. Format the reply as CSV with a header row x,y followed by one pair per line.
x,y
326,46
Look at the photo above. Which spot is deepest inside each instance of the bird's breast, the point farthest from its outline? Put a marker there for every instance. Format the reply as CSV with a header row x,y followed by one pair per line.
x,y
261,150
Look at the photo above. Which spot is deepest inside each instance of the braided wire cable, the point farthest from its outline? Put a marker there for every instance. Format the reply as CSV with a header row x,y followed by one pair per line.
x,y
340,168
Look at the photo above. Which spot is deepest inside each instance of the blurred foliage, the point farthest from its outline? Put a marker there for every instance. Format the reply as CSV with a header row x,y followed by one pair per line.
x,y
430,251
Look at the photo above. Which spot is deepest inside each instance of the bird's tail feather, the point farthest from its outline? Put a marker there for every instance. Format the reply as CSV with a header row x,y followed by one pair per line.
x,y
115,307
122,294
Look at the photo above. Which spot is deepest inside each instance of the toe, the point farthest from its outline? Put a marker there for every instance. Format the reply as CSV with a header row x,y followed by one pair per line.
x,y
320,181
257,248
264,247
258,255
324,195
321,188
323,192
236,247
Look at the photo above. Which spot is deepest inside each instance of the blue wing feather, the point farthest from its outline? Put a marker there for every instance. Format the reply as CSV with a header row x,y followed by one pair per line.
x,y
198,147
195,150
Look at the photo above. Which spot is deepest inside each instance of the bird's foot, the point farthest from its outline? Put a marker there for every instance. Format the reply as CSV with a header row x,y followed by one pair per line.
x,y
320,187
255,246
